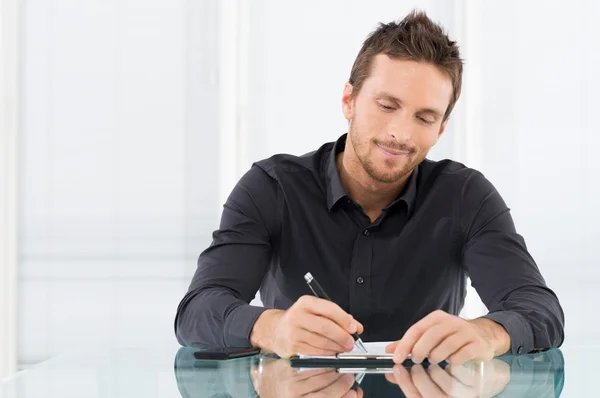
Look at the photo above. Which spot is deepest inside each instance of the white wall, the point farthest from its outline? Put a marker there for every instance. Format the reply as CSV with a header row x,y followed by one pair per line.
x,y
540,136
118,188
9,77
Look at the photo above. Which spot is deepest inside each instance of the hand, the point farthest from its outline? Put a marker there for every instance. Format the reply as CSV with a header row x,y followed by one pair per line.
x,y
444,337
312,326
474,380
276,378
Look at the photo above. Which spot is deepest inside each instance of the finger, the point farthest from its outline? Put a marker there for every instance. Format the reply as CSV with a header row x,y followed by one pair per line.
x,y
322,341
449,346
404,381
465,354
424,384
316,383
467,374
430,339
307,374
412,335
330,330
302,348
359,392
337,389
448,384
332,311
390,377
391,347
350,394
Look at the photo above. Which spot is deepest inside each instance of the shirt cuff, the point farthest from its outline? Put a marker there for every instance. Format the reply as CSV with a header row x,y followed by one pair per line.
x,y
517,327
239,323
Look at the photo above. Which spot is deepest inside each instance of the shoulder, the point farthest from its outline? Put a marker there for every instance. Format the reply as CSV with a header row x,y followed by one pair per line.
x,y
445,172
452,173
282,164
265,178
465,186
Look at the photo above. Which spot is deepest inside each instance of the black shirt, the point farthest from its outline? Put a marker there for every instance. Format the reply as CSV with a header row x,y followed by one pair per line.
x,y
291,215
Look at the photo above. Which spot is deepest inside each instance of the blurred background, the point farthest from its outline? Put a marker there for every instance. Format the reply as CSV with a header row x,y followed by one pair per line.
x,y
125,124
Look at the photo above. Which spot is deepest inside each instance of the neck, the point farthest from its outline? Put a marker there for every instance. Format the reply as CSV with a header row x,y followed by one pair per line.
x,y
371,195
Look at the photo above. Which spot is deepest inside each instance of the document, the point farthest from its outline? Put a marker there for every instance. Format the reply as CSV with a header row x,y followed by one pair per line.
x,y
375,347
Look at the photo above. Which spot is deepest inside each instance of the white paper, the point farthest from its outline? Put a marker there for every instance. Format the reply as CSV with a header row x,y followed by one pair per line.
x,y
375,347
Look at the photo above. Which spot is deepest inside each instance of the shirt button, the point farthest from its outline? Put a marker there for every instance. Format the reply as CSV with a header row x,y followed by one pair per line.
x,y
360,280
366,232
520,350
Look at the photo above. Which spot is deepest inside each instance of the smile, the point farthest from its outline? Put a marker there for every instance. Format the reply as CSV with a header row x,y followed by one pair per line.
x,y
392,153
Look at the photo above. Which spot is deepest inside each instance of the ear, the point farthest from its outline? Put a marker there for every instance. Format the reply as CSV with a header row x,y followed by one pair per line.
x,y
443,127
348,102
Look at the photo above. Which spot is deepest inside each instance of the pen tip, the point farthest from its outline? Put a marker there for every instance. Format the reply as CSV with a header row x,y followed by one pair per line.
x,y
360,345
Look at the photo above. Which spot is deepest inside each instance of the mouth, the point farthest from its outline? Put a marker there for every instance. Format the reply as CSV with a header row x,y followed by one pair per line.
x,y
389,152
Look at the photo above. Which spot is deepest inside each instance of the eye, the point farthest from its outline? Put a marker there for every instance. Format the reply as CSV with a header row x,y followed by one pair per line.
x,y
386,108
425,121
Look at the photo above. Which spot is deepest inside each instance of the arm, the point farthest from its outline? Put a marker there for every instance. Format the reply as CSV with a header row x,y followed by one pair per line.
x,y
504,273
216,311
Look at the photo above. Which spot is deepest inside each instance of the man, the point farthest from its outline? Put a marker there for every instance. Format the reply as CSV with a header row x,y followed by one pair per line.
x,y
390,235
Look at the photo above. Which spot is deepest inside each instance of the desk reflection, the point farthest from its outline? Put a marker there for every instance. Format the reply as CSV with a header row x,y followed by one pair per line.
x,y
535,375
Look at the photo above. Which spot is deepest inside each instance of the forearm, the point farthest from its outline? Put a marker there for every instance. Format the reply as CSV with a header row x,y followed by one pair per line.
x,y
496,335
264,329
215,317
215,311
505,274
532,317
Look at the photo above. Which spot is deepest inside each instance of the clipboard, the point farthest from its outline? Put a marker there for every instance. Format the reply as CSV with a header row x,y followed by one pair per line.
x,y
346,361
349,361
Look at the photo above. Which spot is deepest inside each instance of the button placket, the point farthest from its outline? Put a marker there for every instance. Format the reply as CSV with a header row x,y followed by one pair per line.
x,y
360,290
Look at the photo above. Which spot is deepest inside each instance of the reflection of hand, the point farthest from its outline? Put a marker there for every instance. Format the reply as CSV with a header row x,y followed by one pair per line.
x,y
278,379
475,379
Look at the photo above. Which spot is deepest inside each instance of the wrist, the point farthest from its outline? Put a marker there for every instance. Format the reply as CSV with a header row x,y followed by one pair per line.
x,y
261,335
495,334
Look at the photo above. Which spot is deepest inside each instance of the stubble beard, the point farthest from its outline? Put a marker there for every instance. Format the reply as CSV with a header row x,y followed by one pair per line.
x,y
362,151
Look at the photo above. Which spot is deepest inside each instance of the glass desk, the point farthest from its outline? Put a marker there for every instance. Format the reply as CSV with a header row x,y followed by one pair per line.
x,y
569,372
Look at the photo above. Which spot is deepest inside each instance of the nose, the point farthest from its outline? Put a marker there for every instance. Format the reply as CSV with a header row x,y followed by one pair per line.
x,y
398,137
400,131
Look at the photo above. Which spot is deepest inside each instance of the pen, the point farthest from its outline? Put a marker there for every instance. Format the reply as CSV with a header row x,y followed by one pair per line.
x,y
320,293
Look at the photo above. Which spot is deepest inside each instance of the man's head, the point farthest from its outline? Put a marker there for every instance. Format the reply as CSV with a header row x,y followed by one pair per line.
x,y
402,88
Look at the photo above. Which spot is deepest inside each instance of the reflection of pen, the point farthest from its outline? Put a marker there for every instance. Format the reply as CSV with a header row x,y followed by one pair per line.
x,y
358,378
320,293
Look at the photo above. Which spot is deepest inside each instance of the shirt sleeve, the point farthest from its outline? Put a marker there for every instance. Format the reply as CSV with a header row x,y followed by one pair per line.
x,y
216,311
504,274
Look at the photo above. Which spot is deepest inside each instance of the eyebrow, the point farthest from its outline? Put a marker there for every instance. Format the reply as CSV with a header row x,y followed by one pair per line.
x,y
390,97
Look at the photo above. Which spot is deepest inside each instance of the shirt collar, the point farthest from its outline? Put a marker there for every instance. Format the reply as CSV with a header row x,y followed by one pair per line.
x,y
336,190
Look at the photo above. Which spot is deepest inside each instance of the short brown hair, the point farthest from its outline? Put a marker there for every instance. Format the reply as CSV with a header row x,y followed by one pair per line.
x,y
415,38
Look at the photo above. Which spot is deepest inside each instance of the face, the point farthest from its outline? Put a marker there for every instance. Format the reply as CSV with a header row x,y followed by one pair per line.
x,y
397,116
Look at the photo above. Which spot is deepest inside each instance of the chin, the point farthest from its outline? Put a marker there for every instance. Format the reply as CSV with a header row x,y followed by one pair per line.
x,y
387,176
